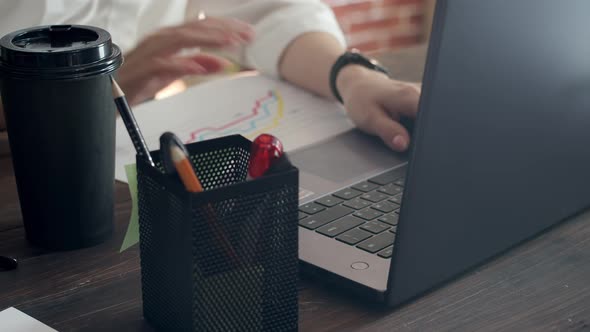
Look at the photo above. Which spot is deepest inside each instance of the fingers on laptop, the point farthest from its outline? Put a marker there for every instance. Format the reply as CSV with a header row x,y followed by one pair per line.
x,y
400,101
390,131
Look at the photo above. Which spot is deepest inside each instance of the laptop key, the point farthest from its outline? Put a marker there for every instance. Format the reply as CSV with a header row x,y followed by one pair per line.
x,y
386,253
353,236
340,226
374,196
390,219
388,176
329,201
385,207
347,194
302,215
311,208
375,227
393,229
365,186
324,217
357,203
397,199
400,182
368,214
390,189
377,242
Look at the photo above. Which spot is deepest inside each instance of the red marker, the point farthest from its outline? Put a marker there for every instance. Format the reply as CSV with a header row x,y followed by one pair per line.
x,y
266,149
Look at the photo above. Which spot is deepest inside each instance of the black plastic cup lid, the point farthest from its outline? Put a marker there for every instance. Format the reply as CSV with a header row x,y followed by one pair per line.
x,y
58,52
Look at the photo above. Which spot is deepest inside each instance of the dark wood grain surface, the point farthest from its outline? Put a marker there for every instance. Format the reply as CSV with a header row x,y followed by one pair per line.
x,y
539,286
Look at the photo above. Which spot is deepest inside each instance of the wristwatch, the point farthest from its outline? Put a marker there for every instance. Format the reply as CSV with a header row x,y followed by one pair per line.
x,y
351,57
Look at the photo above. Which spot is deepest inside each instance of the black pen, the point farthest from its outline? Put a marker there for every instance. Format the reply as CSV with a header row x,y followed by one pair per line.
x,y
8,263
130,123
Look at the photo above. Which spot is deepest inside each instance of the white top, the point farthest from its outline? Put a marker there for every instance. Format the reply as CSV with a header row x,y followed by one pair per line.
x,y
276,22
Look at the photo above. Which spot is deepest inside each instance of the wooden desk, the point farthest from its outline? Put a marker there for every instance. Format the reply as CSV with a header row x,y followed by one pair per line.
x,y
542,285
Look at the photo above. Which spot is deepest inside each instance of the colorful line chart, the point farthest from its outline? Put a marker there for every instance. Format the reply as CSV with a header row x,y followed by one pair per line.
x,y
247,105
249,125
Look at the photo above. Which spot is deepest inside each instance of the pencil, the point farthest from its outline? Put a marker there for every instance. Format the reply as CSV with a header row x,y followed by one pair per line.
x,y
130,123
184,168
191,182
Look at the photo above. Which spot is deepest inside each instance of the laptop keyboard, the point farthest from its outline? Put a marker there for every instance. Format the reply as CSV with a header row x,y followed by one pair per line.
x,y
364,215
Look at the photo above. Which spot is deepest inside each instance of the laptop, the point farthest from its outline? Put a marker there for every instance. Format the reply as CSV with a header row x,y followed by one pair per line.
x,y
500,152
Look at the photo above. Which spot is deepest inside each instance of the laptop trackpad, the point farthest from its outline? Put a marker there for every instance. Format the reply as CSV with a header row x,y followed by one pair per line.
x,y
341,161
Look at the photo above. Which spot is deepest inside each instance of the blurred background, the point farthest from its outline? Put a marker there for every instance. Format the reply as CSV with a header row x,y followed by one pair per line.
x,y
372,26
376,25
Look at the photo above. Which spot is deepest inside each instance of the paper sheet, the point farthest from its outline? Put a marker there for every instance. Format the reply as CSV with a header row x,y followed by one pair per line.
x,y
249,105
14,320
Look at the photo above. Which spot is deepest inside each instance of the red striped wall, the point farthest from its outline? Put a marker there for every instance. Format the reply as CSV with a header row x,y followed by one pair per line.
x,y
372,25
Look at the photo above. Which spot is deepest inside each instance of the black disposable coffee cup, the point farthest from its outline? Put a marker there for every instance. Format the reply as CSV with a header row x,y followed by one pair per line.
x,y
60,116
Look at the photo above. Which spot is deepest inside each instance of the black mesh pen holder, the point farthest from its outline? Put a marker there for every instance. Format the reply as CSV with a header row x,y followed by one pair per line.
x,y
224,259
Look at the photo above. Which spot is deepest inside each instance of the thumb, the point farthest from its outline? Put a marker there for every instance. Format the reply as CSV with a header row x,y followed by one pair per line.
x,y
390,131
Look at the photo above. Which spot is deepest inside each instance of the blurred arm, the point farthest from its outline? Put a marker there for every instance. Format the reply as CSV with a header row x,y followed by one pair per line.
x,y
297,40
307,61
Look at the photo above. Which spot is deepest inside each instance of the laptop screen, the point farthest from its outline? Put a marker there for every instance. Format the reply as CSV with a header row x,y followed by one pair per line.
x,y
501,142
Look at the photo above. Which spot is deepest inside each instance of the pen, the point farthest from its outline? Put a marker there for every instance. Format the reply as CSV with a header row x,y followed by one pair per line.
x,y
130,123
266,158
8,263
266,149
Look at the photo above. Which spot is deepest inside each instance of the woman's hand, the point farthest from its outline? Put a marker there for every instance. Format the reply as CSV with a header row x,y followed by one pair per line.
x,y
376,103
155,62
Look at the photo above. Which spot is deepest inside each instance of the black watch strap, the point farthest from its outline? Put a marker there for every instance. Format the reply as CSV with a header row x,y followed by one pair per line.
x,y
351,57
